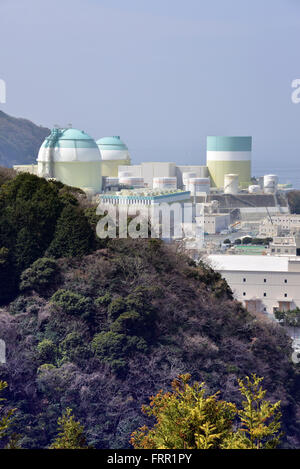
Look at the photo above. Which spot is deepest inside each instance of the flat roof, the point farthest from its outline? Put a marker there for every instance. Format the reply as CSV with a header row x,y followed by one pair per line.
x,y
253,263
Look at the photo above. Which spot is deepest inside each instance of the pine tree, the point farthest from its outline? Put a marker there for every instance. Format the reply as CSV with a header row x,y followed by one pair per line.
x,y
71,434
73,235
260,420
187,418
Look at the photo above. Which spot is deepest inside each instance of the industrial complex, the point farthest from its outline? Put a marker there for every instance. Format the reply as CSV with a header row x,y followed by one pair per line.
x,y
248,233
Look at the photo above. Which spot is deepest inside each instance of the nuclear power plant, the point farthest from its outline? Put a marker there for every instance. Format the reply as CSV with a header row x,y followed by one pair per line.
x,y
104,166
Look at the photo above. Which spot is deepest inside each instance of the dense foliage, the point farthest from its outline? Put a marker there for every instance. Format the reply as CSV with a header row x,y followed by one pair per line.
x,y
100,327
122,323
188,418
37,219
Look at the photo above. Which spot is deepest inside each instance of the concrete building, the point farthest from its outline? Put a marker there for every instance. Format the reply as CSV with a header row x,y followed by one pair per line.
x,y
114,153
279,224
150,170
283,246
261,283
229,155
215,222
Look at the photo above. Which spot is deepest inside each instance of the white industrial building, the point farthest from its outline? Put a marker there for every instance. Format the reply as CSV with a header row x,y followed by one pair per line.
x,y
262,283
214,223
152,170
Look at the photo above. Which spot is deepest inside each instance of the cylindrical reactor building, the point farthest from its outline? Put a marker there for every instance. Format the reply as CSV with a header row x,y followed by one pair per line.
x,y
114,153
229,155
165,183
72,157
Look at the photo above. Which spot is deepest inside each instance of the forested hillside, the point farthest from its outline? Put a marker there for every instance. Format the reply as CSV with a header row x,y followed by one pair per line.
x,y
99,326
20,140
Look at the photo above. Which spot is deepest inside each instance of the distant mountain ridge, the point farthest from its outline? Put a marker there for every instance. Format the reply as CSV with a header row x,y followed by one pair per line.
x,y
20,140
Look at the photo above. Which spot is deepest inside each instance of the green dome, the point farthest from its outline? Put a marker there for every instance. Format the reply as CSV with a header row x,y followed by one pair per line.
x,y
111,143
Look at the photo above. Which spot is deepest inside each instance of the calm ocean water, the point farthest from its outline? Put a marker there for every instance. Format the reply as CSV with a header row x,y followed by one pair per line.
x,y
286,174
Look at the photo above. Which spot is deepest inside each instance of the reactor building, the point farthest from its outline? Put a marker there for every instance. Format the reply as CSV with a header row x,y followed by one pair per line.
x,y
72,157
114,153
229,156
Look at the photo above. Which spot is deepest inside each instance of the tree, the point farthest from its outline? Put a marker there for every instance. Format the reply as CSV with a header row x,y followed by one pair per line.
x,y
71,433
187,418
260,420
40,275
289,318
6,419
73,235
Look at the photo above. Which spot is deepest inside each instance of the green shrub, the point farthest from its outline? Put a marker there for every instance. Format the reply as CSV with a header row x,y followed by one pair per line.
x,y
116,307
47,351
73,303
39,275
74,348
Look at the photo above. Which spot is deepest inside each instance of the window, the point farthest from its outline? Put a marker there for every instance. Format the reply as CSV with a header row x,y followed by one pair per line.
x,y
285,280
244,294
285,295
265,309
265,280
265,294
244,280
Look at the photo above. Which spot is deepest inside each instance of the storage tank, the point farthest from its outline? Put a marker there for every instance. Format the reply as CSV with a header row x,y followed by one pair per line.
x,y
132,181
196,186
165,183
229,155
185,178
72,157
231,183
270,183
254,189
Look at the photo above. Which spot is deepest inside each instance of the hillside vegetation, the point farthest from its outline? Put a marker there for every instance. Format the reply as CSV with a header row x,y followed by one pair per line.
x,y
99,326
20,140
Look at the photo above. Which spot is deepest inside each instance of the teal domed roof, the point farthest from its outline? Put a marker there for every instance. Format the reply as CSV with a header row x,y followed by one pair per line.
x,y
69,138
111,143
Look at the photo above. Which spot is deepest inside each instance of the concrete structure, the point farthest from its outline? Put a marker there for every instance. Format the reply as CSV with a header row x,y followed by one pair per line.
x,y
26,168
151,170
262,283
72,157
229,155
143,197
198,186
280,224
114,153
283,246
165,183
131,181
215,222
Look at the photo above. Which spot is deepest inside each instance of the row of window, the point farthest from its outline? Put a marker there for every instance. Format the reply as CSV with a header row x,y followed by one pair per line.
x,y
265,280
285,295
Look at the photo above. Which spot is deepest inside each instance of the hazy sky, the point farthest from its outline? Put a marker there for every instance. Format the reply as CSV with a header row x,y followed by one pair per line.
x,y
163,74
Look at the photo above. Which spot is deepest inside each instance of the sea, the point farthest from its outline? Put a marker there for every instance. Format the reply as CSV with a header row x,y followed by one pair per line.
x,y
286,174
